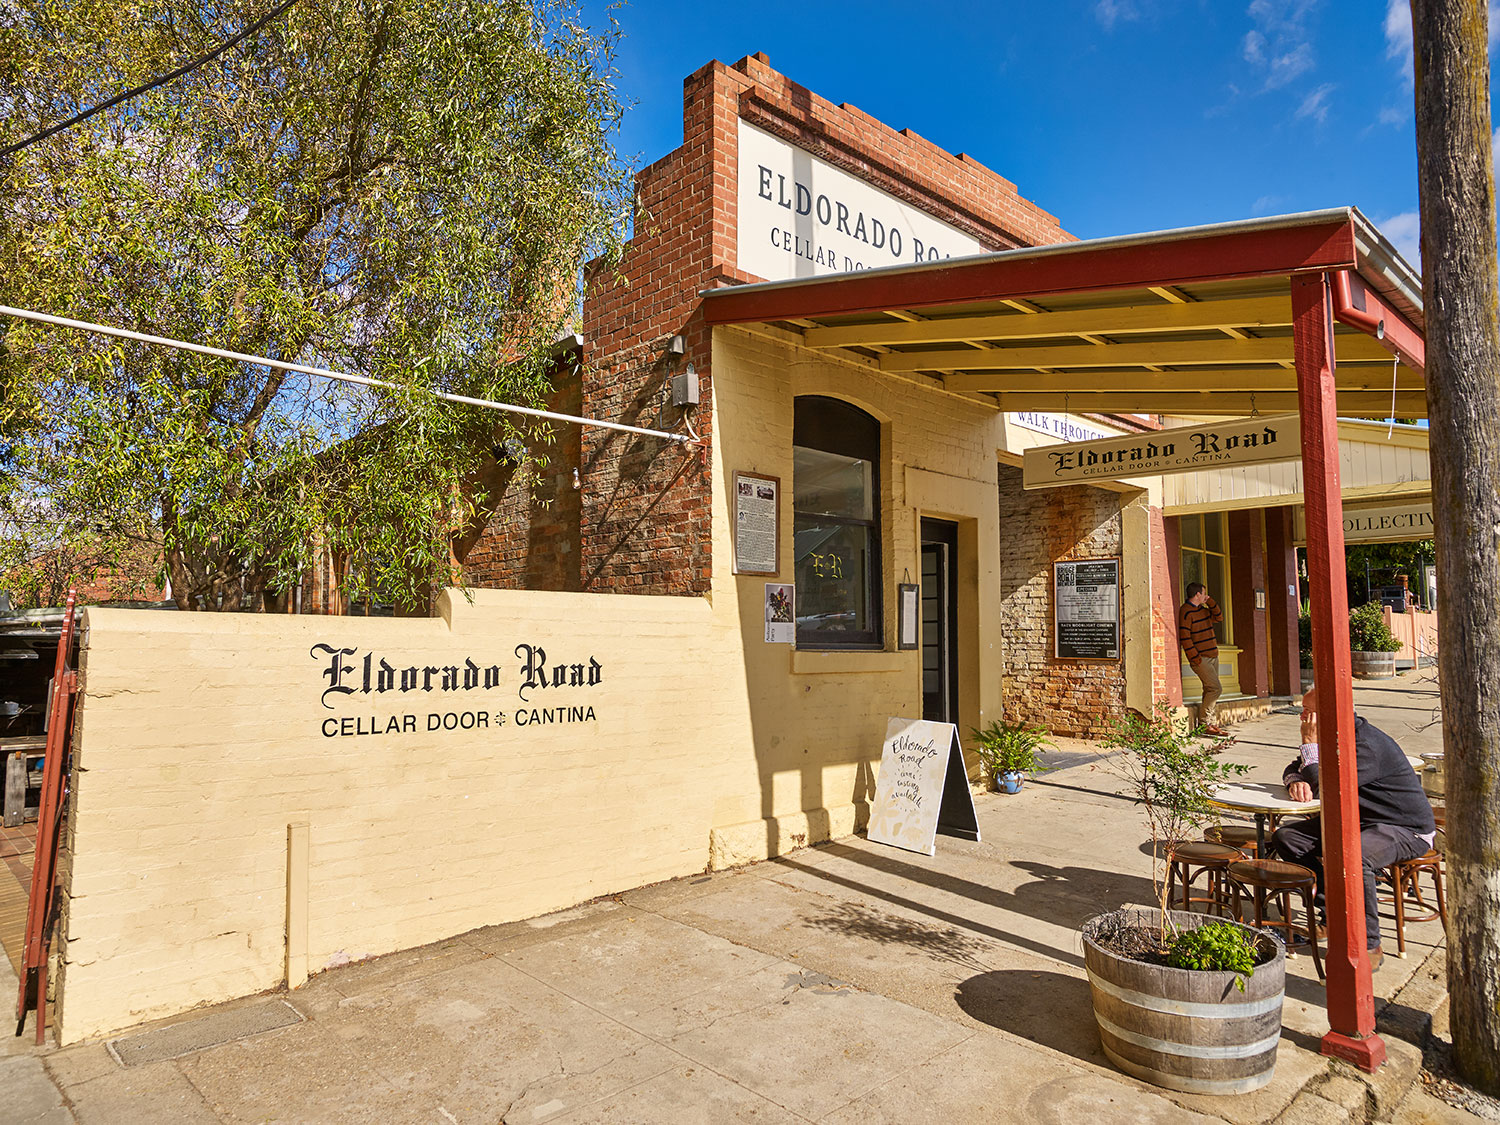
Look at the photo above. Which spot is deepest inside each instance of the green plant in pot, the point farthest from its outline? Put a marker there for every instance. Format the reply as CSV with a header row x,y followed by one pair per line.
x,y
1010,751
1183,1000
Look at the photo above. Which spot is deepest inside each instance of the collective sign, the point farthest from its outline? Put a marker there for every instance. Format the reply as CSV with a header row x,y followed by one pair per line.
x,y
484,695
800,216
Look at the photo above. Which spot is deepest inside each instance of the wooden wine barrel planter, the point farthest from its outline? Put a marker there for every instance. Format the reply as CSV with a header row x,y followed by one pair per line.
x,y
1373,665
1181,1028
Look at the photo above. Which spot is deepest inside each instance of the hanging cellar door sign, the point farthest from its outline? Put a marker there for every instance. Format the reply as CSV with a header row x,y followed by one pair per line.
x,y
1086,609
922,788
1223,445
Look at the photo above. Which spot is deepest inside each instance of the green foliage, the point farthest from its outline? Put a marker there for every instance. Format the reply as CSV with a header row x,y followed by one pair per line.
x,y
1005,747
1368,631
1384,563
1171,770
1304,636
1216,947
404,191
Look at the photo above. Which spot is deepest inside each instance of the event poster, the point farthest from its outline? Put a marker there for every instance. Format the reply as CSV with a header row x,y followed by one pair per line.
x,y
1086,609
781,620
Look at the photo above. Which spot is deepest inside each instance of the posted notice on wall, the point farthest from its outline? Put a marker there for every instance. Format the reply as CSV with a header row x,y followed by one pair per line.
x,y
922,788
757,520
1086,609
781,616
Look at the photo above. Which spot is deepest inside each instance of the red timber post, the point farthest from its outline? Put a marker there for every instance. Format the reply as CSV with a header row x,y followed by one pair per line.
x,y
1351,1004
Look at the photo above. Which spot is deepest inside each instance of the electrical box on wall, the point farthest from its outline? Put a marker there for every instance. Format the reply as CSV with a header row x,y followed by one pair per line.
x,y
685,388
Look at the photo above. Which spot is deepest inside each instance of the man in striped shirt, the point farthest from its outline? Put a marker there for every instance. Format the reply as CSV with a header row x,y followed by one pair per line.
x,y
1195,632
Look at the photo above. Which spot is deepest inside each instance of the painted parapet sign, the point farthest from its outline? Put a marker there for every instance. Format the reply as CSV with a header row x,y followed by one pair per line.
x,y
799,216
1228,445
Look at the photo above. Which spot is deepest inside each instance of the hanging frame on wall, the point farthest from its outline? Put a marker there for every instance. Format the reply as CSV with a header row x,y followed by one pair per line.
x,y
909,598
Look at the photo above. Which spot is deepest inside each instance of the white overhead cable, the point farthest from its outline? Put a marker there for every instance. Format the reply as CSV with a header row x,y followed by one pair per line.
x,y
323,372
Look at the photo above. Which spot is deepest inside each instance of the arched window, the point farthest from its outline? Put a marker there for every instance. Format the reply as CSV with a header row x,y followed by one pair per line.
x,y
836,510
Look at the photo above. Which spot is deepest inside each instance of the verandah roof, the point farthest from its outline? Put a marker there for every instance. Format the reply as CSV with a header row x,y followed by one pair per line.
x,y
1193,321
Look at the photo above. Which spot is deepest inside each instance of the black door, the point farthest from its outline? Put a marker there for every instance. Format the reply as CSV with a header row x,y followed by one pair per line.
x,y
939,621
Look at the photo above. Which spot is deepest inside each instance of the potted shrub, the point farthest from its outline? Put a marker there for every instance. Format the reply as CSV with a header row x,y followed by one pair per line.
x,y
1372,645
1010,751
1304,645
1183,1000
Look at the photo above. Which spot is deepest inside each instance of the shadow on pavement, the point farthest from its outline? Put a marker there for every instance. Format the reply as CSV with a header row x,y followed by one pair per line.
x,y
1046,1008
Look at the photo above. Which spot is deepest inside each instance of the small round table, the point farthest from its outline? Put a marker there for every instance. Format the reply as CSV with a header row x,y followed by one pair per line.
x,y
1263,798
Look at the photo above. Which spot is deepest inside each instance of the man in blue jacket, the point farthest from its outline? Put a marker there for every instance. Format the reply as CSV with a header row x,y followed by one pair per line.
x,y
1395,818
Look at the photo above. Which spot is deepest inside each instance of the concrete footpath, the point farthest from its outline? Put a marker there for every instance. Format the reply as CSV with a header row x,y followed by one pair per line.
x,y
849,983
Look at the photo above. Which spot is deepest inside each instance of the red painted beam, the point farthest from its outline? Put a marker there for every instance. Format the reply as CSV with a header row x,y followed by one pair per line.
x,y
1351,1003
1359,306
1172,261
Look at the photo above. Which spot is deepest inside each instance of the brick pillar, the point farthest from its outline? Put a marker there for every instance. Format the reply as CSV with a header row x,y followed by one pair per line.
x,y
1172,543
1166,657
1247,573
1283,603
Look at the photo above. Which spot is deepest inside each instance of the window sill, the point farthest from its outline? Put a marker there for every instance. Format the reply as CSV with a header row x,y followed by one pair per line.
x,y
811,663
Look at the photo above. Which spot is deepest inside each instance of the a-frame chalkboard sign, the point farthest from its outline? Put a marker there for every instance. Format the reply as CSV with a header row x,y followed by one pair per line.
x,y
922,788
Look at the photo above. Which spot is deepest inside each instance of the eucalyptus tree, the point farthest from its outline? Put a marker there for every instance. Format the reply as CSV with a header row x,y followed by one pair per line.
x,y
1461,294
399,189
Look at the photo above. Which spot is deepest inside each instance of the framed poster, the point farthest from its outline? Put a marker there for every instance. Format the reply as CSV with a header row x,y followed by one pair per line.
x,y
1086,609
909,596
757,523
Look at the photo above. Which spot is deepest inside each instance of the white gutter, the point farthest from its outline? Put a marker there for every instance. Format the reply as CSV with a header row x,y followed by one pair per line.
x,y
323,372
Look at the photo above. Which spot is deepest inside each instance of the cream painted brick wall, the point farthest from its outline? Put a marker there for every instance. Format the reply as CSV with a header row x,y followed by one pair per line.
x,y
200,740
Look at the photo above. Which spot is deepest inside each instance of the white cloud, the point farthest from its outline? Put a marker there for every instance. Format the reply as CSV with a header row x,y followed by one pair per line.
x,y
1390,115
1110,12
1398,34
1405,232
1279,43
1290,65
1315,105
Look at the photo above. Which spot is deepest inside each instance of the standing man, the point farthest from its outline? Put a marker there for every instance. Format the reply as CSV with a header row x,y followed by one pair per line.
x,y
1195,632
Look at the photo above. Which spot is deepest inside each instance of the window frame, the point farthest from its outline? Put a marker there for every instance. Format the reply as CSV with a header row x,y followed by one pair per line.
x,y
825,424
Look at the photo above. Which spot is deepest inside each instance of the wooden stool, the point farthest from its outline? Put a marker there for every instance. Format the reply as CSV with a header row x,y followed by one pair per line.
x,y
1195,858
1265,878
1240,836
1403,876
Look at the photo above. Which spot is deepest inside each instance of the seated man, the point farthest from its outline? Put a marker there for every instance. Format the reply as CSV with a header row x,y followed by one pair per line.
x,y
1395,818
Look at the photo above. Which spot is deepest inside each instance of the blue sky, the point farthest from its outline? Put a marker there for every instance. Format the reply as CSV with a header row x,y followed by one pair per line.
x,y
1115,115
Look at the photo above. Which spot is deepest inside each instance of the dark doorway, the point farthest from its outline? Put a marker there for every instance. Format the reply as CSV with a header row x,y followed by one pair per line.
x,y
940,621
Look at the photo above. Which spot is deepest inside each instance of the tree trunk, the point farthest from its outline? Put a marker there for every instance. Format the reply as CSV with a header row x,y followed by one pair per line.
x,y
1459,293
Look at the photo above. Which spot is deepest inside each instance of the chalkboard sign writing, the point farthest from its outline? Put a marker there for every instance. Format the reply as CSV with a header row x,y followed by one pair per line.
x,y
1086,609
922,788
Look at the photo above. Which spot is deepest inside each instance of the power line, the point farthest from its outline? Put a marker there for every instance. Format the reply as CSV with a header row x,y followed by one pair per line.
x,y
250,29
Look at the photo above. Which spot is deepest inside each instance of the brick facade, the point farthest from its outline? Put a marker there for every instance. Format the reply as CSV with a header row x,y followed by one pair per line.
x,y
639,522
1074,698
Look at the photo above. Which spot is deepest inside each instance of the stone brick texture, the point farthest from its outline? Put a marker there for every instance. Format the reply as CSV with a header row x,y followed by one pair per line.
x,y
1081,699
639,522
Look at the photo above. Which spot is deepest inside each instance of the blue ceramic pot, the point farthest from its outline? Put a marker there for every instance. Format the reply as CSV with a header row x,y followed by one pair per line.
x,y
1010,781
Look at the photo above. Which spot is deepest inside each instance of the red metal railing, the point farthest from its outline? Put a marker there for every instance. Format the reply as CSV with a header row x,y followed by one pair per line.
x,y
41,907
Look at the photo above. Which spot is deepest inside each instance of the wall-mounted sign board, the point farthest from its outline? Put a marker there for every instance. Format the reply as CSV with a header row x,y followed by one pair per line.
x,y
1228,445
1388,523
757,523
922,788
1086,609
